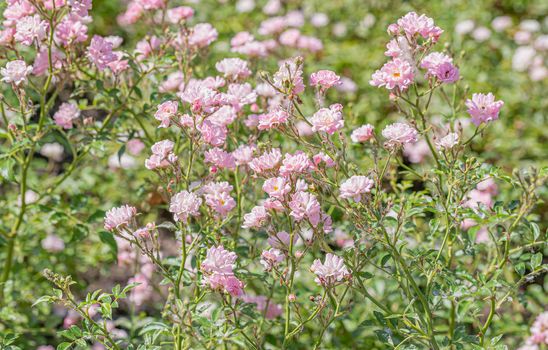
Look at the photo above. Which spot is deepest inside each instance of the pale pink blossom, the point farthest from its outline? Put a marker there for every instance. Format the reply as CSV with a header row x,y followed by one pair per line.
x,y
217,197
142,292
41,62
477,198
277,187
414,25
363,134
244,154
29,29
290,37
202,35
100,52
146,47
355,187
398,134
297,163
273,310
219,261
220,158
151,4
483,108
330,273
305,205
179,14
233,68
539,329
53,244
166,111
289,77
66,114
162,155
272,119
325,79
173,82
53,151
320,158
15,72
120,64
271,258
395,74
213,134
185,204
417,152
488,185
328,120
448,141
71,30
441,66
256,218
6,36
272,25
267,161
119,216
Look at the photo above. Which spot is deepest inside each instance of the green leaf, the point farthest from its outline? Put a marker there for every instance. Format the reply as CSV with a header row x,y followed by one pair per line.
x,y
108,238
6,169
43,299
520,269
536,260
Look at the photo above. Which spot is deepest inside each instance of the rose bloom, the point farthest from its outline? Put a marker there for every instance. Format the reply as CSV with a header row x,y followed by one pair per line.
x,y
165,112
185,204
30,28
219,260
328,120
330,273
119,216
271,258
66,114
178,14
395,74
100,52
305,205
15,72
220,158
244,154
295,164
413,25
483,108
325,79
362,134
355,187
256,218
267,161
398,134
289,77
202,35
448,141
272,119
277,187
233,68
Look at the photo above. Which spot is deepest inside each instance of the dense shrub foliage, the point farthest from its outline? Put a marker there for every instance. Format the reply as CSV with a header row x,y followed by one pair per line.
x,y
273,174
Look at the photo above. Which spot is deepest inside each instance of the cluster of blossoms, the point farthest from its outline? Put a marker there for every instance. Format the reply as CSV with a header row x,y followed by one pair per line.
x,y
218,271
413,36
539,333
223,149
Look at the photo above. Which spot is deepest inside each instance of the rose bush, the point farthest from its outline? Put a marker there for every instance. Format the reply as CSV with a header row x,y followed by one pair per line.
x,y
204,181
